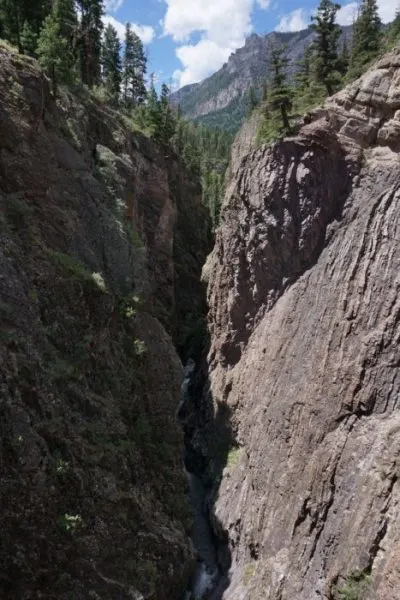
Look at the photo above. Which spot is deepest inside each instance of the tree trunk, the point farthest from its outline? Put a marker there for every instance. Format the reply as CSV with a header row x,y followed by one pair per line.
x,y
53,80
285,117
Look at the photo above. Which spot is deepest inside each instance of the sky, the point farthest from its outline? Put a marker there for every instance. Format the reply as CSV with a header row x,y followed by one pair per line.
x,y
188,40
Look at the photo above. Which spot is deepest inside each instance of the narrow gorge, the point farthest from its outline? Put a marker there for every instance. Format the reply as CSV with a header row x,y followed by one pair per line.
x,y
147,365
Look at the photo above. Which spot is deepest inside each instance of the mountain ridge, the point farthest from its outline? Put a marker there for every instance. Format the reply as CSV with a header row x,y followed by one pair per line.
x,y
220,100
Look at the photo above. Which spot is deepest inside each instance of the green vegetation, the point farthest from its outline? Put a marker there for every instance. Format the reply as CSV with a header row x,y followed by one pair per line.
x,y
206,154
367,38
356,586
280,95
248,574
74,52
325,67
394,31
111,63
326,58
70,265
70,523
234,457
18,212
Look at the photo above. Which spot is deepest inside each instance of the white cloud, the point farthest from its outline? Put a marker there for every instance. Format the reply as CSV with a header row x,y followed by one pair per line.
x,y
197,60
294,21
222,24
387,9
348,13
113,5
145,32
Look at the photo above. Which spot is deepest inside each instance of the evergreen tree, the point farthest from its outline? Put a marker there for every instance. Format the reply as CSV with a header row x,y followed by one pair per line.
x,y
91,28
264,94
303,75
138,88
134,69
252,100
167,117
65,13
11,21
28,40
53,52
15,13
128,63
394,31
153,110
367,37
326,44
344,57
280,94
111,62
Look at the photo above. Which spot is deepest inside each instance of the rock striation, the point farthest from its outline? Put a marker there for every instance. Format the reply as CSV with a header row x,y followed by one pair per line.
x,y
305,329
102,238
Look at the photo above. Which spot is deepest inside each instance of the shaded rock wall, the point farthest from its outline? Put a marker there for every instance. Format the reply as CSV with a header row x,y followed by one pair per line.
x,y
92,490
304,321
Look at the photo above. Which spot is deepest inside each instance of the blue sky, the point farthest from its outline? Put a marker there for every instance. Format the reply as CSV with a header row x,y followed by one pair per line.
x,y
187,40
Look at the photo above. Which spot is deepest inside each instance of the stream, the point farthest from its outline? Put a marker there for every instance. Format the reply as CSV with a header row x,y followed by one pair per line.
x,y
207,576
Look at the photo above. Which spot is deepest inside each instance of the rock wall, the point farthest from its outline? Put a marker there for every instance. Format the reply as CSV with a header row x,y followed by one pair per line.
x,y
305,325
93,220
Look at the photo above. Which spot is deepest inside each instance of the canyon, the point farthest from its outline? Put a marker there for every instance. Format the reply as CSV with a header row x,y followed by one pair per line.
x,y
287,421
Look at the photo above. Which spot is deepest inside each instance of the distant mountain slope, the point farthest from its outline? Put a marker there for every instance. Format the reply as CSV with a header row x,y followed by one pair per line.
x,y
220,100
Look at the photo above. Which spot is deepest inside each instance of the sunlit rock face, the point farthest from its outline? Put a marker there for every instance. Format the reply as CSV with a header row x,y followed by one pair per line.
x,y
304,320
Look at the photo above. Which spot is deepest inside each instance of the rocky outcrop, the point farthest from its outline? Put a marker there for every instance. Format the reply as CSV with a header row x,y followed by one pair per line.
x,y
304,321
96,236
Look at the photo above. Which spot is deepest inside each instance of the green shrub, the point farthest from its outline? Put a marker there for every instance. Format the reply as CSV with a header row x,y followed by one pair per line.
x,y
234,457
69,264
18,212
356,586
248,574
70,523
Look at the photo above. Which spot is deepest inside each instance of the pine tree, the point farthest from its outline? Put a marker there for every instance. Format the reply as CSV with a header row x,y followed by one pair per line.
x,y
11,21
153,110
138,88
28,40
303,75
344,57
280,94
65,13
367,37
134,69
252,100
394,31
326,44
53,52
91,28
14,14
264,92
111,62
167,120
128,63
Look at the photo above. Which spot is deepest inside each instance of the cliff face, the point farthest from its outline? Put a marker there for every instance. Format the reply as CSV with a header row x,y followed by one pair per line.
x,y
93,220
304,320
